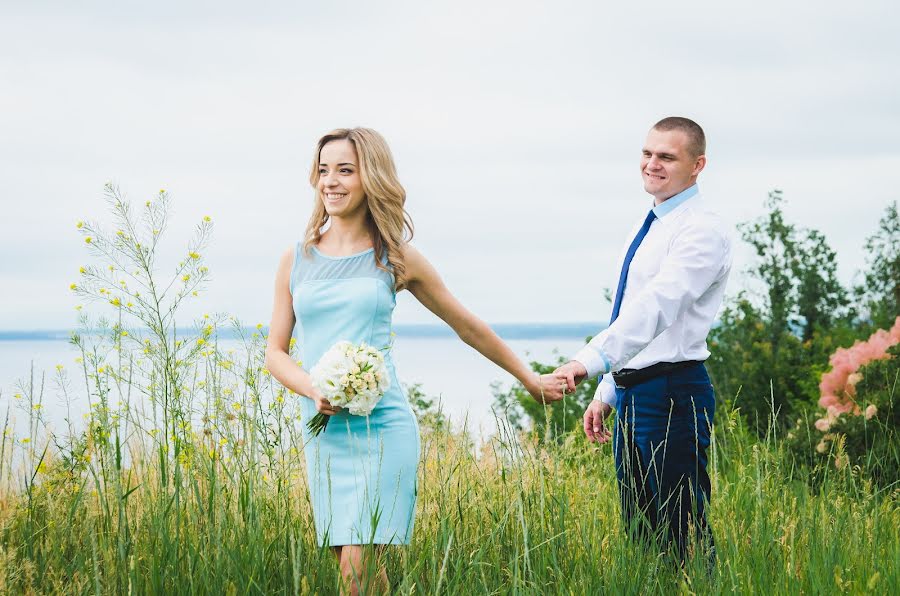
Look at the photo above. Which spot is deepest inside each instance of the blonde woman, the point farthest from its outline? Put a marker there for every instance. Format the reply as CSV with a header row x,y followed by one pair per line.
x,y
340,283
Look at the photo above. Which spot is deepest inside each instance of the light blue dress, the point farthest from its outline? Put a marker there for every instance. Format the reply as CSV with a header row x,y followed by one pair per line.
x,y
361,469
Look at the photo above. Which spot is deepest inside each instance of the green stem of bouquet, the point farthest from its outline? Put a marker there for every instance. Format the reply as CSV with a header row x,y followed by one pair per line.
x,y
318,423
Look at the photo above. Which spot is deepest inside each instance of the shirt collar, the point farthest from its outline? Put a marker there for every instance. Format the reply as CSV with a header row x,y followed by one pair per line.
x,y
671,203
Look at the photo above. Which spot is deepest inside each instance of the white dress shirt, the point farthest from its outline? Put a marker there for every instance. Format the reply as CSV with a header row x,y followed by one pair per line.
x,y
673,292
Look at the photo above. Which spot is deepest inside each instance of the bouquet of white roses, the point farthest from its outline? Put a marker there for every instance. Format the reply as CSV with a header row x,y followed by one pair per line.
x,y
349,376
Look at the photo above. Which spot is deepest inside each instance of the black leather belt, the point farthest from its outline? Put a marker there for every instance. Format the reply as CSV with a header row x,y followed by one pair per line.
x,y
629,377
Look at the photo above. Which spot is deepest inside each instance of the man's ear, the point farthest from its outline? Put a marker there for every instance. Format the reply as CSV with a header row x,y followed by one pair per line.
x,y
699,165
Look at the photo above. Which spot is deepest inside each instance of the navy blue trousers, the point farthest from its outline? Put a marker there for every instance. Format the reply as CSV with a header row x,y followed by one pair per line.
x,y
663,430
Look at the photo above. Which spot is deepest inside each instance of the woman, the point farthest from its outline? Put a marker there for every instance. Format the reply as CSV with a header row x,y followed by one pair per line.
x,y
341,284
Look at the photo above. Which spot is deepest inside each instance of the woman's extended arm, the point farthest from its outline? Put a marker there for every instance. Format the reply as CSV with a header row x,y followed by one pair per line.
x,y
278,359
428,288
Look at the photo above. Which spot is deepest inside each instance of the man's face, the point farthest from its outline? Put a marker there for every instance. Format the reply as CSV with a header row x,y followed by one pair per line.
x,y
667,164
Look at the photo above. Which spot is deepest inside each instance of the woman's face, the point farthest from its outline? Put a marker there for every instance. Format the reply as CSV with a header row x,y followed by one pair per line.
x,y
339,182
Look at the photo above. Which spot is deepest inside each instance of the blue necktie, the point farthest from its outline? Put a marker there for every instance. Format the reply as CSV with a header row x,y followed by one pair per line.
x,y
623,277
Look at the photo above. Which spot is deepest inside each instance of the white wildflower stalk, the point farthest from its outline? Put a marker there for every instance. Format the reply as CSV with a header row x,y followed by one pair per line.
x,y
353,377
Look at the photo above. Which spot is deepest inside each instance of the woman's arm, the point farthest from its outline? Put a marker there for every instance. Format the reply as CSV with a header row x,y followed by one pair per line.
x,y
278,359
428,288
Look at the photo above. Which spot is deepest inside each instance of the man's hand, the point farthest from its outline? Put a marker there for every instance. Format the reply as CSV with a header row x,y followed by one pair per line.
x,y
547,388
573,372
594,425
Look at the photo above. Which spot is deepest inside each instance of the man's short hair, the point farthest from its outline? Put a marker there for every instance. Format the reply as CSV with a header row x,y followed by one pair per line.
x,y
696,138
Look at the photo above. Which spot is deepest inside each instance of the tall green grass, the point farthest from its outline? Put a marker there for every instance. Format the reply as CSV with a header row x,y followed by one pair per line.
x,y
186,474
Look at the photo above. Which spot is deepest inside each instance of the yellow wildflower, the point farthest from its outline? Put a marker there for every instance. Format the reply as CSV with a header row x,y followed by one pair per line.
x,y
124,333
147,204
88,239
207,218
101,370
194,255
82,270
59,367
185,277
201,341
26,440
79,225
223,441
115,302
73,287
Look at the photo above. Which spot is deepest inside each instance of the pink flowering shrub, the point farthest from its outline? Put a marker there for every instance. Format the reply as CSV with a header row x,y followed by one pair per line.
x,y
838,386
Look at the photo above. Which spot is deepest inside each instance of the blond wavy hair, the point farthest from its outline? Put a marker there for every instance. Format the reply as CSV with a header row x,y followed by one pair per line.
x,y
389,224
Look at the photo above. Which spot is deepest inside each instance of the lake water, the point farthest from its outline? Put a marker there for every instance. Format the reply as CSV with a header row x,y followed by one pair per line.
x,y
445,367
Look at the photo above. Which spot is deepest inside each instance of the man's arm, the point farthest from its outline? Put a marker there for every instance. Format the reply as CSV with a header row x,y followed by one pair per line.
x,y
698,256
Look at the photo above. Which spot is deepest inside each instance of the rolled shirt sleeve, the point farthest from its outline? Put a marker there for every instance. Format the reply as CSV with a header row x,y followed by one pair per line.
x,y
606,391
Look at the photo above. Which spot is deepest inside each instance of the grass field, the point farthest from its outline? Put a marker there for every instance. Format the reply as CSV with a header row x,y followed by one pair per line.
x,y
186,476
206,493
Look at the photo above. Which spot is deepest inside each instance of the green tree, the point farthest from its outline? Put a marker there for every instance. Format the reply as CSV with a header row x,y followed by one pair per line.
x,y
879,295
772,345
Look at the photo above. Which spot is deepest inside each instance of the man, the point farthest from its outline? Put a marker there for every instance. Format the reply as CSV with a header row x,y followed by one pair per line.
x,y
671,285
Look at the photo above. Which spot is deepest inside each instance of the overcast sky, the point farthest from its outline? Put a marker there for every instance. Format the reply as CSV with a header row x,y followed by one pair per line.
x,y
516,126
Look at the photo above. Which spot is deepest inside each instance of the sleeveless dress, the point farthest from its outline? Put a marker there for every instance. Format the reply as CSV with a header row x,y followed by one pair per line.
x,y
361,469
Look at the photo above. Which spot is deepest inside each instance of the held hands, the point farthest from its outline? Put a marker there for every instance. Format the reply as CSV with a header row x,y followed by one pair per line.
x,y
594,425
573,372
548,388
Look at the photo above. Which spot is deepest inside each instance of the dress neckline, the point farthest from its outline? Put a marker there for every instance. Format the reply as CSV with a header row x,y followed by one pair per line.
x,y
339,258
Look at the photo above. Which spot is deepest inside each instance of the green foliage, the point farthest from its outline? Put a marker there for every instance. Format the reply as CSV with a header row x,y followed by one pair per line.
x,y
879,295
517,406
773,340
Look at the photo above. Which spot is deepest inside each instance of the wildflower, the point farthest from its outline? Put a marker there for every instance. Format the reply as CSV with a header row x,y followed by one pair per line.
x,y
194,255
259,325
18,396
147,204
265,371
207,218
204,269
162,191
871,411
88,239
130,304
124,333
79,360
185,277
78,307
111,268
42,468
82,270
115,302
236,406
120,233
26,440
73,287
101,370
194,293
59,367
223,441
293,342
79,225
37,407
200,341
822,447
299,363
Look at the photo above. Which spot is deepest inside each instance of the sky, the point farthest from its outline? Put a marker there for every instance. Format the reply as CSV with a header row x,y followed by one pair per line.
x,y
516,128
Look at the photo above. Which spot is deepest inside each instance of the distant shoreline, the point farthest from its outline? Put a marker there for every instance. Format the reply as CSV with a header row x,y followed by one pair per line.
x,y
504,330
